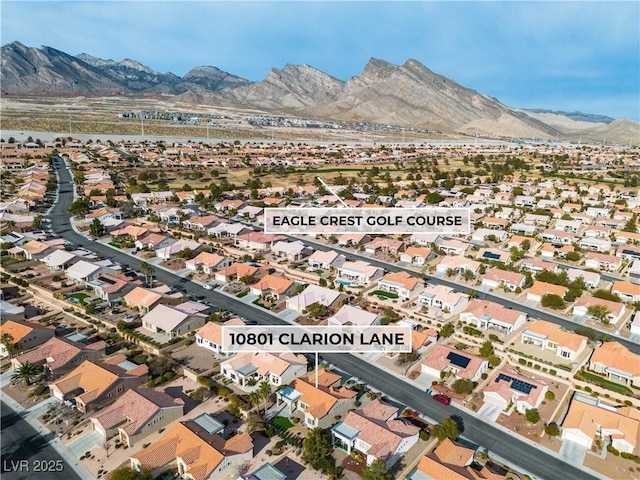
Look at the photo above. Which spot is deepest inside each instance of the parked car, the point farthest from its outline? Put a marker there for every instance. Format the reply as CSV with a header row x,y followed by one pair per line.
x,y
442,399
207,286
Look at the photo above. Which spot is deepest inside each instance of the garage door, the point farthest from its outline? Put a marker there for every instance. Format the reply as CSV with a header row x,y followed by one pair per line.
x,y
576,437
98,428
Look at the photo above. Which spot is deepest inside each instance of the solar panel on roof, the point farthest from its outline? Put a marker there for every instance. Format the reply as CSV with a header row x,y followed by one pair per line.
x,y
520,385
107,280
458,360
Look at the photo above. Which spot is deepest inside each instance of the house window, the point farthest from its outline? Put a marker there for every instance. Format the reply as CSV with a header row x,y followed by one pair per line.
x,y
565,354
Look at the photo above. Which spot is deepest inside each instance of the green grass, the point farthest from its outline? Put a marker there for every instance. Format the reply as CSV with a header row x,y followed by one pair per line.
x,y
80,296
382,293
604,383
282,422
242,294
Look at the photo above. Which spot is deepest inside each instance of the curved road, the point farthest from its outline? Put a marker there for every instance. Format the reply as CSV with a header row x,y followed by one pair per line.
x,y
508,446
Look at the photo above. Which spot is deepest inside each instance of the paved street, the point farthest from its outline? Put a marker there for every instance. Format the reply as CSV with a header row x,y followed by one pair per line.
x,y
28,455
539,462
439,280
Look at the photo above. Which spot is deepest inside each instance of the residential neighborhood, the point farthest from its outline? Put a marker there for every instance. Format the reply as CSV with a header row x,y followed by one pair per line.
x,y
527,328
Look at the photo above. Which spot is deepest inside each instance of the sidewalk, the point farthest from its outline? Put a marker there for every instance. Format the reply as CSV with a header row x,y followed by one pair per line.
x,y
31,414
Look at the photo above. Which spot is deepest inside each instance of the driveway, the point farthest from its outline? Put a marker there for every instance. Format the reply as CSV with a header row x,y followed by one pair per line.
x,y
490,411
85,442
572,452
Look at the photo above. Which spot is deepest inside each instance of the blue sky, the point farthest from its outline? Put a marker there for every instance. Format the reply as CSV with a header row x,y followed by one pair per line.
x,y
558,55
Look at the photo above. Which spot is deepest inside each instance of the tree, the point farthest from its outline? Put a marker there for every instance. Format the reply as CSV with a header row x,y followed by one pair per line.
x,y
148,271
255,423
532,415
494,360
549,395
246,279
486,350
37,221
631,225
446,331
526,245
463,385
265,393
552,429
377,471
26,374
11,346
552,300
79,207
128,473
96,229
317,450
607,295
317,310
599,313
185,253
447,429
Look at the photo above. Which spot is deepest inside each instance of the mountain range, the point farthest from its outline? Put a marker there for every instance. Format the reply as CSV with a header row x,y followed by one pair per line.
x,y
408,95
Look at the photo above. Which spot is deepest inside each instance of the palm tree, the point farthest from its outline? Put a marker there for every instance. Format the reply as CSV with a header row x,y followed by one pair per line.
x,y
265,392
148,271
26,374
12,348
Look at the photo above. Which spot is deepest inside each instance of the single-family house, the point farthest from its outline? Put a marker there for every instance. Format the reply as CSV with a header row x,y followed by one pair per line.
x,y
377,432
585,422
451,461
550,336
292,251
94,384
325,260
593,244
385,245
349,315
401,284
443,297
248,369
24,335
494,255
508,387
320,405
208,262
313,294
59,260
591,279
443,358
167,253
210,335
457,264
257,241
81,272
273,286
540,289
60,355
417,256
602,261
454,247
154,241
496,277
627,291
486,314
617,363
137,414
112,288
144,299
175,320
198,449
615,310
536,265
357,273
235,271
